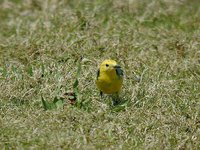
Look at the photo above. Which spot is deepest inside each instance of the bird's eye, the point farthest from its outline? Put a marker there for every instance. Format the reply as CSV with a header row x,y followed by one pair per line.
x,y
107,65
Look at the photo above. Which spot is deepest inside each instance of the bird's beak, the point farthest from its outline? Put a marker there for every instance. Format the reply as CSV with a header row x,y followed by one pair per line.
x,y
117,66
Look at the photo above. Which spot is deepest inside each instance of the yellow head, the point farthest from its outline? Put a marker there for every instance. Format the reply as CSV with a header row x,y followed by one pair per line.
x,y
111,67
108,65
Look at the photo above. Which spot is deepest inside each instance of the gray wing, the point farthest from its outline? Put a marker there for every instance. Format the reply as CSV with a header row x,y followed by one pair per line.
x,y
98,73
119,72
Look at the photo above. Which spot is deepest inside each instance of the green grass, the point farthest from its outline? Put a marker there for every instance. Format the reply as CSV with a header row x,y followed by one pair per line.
x,y
41,43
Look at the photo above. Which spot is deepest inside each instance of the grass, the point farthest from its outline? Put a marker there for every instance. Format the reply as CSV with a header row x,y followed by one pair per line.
x,y
155,41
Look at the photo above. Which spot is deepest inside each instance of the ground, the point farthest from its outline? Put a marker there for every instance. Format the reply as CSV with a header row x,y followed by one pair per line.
x,y
156,42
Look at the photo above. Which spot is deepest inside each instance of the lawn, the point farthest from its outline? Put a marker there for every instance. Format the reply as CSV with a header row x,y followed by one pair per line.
x,y
50,50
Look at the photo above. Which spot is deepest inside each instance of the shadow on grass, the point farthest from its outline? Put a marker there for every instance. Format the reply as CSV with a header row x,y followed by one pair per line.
x,y
120,104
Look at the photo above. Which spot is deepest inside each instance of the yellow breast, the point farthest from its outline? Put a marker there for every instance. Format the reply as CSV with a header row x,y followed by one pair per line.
x,y
109,83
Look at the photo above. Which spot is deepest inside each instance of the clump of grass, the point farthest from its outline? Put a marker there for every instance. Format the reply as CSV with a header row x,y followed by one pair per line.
x,y
70,97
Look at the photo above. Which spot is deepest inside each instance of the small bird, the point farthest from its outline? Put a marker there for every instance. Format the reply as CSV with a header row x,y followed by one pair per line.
x,y
109,78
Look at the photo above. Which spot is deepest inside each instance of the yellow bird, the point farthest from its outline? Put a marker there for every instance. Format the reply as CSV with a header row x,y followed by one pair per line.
x,y
109,77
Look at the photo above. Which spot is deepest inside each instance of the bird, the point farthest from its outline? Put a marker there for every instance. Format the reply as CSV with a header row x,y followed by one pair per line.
x,y
110,79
